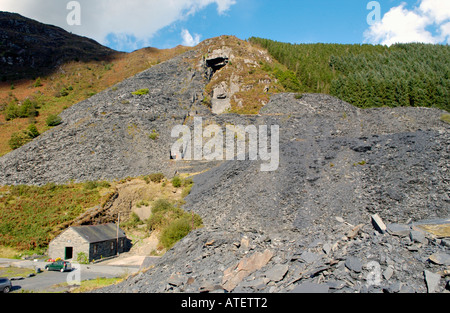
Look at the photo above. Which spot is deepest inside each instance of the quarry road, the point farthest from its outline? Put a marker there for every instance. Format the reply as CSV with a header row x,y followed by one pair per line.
x,y
47,281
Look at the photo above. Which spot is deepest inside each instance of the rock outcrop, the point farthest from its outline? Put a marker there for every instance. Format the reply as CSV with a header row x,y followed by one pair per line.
x,y
218,59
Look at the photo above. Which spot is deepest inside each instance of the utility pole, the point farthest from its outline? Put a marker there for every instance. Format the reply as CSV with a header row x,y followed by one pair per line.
x,y
118,222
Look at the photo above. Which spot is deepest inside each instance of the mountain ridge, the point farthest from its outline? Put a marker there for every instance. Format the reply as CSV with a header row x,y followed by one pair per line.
x,y
31,49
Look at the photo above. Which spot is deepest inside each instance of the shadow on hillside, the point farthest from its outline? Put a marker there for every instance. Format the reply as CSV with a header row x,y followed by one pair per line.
x,y
29,49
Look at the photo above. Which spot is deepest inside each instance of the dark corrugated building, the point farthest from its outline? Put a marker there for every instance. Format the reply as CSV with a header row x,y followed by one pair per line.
x,y
93,242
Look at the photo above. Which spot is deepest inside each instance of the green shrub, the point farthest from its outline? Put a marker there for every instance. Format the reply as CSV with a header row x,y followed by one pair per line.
x,y
142,203
162,213
188,183
156,178
186,191
175,232
287,78
11,111
177,182
53,120
161,205
64,92
172,222
91,185
154,135
141,92
37,82
132,222
27,109
32,131
17,140
82,258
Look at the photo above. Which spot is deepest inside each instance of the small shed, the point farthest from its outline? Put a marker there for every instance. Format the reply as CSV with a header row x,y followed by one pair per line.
x,y
96,242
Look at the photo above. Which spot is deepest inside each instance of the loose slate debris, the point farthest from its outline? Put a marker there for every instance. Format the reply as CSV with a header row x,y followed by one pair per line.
x,y
440,258
378,223
354,264
311,288
432,281
399,229
379,166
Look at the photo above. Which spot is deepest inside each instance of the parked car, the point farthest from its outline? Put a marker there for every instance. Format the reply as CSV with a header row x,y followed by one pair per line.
x,y
61,266
5,285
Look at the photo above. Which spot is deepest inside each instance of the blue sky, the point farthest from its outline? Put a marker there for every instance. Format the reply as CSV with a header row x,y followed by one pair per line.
x,y
130,25
290,21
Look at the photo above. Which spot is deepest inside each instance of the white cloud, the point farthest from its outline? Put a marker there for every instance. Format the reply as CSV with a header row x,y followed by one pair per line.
x,y
139,19
445,30
437,10
224,5
188,40
401,25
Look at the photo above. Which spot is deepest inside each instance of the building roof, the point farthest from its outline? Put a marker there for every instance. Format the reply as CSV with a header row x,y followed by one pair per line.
x,y
99,233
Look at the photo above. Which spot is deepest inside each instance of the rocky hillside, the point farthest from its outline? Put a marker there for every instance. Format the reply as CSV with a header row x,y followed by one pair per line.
x,y
57,69
313,224
120,132
108,135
